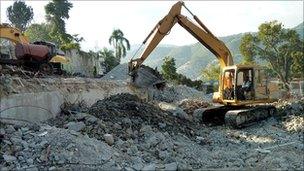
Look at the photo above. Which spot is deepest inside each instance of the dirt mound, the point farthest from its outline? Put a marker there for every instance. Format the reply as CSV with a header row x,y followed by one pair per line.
x,y
122,107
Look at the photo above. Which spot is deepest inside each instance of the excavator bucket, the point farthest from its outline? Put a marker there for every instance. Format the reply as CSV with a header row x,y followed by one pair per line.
x,y
145,77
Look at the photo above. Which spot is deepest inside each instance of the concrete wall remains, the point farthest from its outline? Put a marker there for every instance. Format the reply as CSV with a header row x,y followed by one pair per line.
x,y
40,106
82,62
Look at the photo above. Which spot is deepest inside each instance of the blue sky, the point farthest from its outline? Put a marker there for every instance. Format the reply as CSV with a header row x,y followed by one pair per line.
x,y
95,20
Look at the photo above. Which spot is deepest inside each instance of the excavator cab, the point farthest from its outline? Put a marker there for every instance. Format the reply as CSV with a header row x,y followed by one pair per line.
x,y
243,84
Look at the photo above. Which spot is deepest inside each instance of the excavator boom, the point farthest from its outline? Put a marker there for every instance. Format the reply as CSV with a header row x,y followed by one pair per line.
x,y
13,34
199,31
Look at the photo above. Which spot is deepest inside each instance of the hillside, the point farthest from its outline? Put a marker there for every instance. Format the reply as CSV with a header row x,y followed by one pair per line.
x,y
300,29
190,59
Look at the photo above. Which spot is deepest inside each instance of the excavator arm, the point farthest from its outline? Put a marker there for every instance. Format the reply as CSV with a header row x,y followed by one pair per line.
x,y
199,31
13,34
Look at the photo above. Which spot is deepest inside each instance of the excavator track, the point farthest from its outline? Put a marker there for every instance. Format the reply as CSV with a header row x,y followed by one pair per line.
x,y
237,116
243,117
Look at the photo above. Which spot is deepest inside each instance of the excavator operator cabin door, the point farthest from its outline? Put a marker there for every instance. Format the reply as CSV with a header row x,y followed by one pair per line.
x,y
245,84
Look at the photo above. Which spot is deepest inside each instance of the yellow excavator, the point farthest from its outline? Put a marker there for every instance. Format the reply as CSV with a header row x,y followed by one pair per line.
x,y
243,89
39,55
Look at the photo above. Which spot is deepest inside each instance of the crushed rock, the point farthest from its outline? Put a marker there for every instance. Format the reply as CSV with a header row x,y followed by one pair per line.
x,y
118,107
120,72
190,105
177,93
291,112
294,123
51,146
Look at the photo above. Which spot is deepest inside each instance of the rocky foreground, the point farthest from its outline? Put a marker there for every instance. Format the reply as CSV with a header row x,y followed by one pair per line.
x,y
123,132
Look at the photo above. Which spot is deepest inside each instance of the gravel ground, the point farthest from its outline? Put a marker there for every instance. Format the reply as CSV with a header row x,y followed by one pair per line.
x,y
124,133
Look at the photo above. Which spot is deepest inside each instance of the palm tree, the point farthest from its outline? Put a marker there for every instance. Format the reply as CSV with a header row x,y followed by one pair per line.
x,y
120,43
109,59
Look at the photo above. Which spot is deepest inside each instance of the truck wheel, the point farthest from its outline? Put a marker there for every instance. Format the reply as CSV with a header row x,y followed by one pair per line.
x,y
46,68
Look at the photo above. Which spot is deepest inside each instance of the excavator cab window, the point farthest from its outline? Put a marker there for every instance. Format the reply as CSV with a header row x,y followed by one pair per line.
x,y
261,84
244,84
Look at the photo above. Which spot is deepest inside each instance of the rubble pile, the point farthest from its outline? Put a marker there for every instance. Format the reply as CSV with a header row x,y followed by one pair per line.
x,y
291,112
290,107
294,123
120,72
189,106
28,73
29,147
260,147
177,93
10,85
18,71
123,132
121,106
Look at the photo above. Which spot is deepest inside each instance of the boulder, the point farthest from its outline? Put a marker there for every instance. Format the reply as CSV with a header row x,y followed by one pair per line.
x,y
92,119
76,126
174,109
9,158
198,114
171,166
109,139
149,167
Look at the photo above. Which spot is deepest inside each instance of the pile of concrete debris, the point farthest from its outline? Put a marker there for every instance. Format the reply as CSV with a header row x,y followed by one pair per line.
x,y
123,121
292,114
124,115
177,93
122,132
35,148
189,106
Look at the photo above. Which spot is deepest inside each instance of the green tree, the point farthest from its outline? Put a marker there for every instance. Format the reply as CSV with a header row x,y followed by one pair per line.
x,y
276,45
73,43
211,72
168,71
109,59
120,43
298,64
169,68
247,48
57,12
20,15
37,32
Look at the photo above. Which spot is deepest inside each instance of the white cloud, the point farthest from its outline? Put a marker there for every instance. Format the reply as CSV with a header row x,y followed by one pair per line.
x,y
95,20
